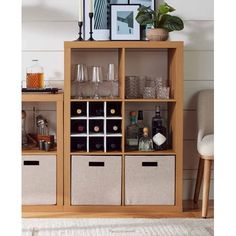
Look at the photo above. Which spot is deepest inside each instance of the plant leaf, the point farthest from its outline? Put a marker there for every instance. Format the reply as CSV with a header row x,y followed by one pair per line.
x,y
165,8
144,19
171,23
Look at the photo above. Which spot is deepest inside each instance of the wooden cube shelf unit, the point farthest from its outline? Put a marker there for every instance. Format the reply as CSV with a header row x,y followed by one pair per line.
x,y
131,58
57,100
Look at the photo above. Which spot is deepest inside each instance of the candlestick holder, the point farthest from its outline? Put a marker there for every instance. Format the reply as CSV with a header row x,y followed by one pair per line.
x,y
80,24
91,26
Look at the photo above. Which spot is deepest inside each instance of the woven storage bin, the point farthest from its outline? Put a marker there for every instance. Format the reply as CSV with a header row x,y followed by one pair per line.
x,y
96,180
38,180
149,180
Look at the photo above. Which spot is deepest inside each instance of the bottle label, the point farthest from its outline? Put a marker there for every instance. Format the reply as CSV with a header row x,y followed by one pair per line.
x,y
159,139
132,142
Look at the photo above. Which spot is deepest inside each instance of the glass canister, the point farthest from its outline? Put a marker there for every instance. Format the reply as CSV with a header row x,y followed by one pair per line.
x,y
34,75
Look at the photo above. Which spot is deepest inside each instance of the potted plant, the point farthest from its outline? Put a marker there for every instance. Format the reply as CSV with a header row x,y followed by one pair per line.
x,y
161,21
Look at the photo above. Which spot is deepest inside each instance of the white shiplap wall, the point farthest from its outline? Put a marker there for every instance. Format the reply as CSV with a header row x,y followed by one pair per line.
x,y
48,23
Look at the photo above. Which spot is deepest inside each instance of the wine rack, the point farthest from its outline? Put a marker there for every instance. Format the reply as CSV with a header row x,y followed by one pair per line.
x,y
96,126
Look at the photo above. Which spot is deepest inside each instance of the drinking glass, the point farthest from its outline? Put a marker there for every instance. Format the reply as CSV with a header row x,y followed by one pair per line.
x,y
96,79
111,78
131,87
81,77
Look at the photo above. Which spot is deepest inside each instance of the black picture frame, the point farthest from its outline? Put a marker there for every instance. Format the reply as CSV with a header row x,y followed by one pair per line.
x,y
136,27
136,2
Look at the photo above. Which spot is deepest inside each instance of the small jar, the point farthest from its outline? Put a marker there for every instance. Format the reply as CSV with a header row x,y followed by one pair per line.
x,y
34,76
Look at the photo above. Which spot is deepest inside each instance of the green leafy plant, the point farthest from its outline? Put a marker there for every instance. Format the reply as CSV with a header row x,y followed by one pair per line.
x,y
159,18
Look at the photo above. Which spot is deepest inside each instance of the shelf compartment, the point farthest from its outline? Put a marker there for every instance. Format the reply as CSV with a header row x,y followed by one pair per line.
x,y
113,109
78,109
78,126
114,144
96,126
113,126
96,144
79,144
96,109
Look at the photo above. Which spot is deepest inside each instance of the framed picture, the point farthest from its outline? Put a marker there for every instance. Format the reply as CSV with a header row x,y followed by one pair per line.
x,y
145,3
123,23
101,19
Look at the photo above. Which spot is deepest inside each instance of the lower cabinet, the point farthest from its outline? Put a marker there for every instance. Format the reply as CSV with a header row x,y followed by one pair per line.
x,y
38,180
96,180
149,180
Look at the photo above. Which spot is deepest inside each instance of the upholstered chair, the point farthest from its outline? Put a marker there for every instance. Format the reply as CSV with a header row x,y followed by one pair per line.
x,y
205,145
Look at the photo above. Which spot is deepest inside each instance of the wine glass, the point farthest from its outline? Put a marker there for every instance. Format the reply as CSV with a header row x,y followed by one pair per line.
x,y
96,79
81,77
111,78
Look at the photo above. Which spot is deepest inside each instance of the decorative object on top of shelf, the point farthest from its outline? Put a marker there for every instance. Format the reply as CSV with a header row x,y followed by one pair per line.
x,y
123,23
161,20
80,24
101,12
35,75
146,3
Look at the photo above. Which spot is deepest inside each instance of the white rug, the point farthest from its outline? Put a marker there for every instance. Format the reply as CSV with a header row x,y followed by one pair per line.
x,y
118,227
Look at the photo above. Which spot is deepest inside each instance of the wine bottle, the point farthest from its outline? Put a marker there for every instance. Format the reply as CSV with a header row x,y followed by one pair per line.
x,y
96,128
81,129
159,132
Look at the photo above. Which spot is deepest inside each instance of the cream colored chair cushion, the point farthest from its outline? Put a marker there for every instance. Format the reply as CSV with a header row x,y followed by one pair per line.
x,y
206,146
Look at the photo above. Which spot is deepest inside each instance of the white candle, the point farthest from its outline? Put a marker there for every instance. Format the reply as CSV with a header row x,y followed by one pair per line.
x,y
80,10
91,6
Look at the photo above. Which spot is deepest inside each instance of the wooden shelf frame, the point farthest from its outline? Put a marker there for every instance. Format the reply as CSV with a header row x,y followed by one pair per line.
x,y
175,111
59,152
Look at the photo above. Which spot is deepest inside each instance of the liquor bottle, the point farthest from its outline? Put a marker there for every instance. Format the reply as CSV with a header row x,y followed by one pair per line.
x,y
159,132
132,133
145,142
140,124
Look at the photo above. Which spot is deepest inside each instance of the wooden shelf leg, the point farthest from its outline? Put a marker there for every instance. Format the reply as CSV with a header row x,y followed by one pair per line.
x,y
206,186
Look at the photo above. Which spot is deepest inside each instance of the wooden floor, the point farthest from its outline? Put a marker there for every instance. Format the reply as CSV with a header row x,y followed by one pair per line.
x,y
190,211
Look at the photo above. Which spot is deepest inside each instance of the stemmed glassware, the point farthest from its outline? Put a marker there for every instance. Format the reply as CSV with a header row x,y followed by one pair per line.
x,y
111,78
96,79
81,77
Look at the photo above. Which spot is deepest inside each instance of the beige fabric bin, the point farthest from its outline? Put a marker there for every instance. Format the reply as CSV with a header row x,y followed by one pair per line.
x,y
96,180
149,180
38,180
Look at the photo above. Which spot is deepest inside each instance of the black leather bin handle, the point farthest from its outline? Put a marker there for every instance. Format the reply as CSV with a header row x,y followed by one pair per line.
x,y
150,164
96,163
31,163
